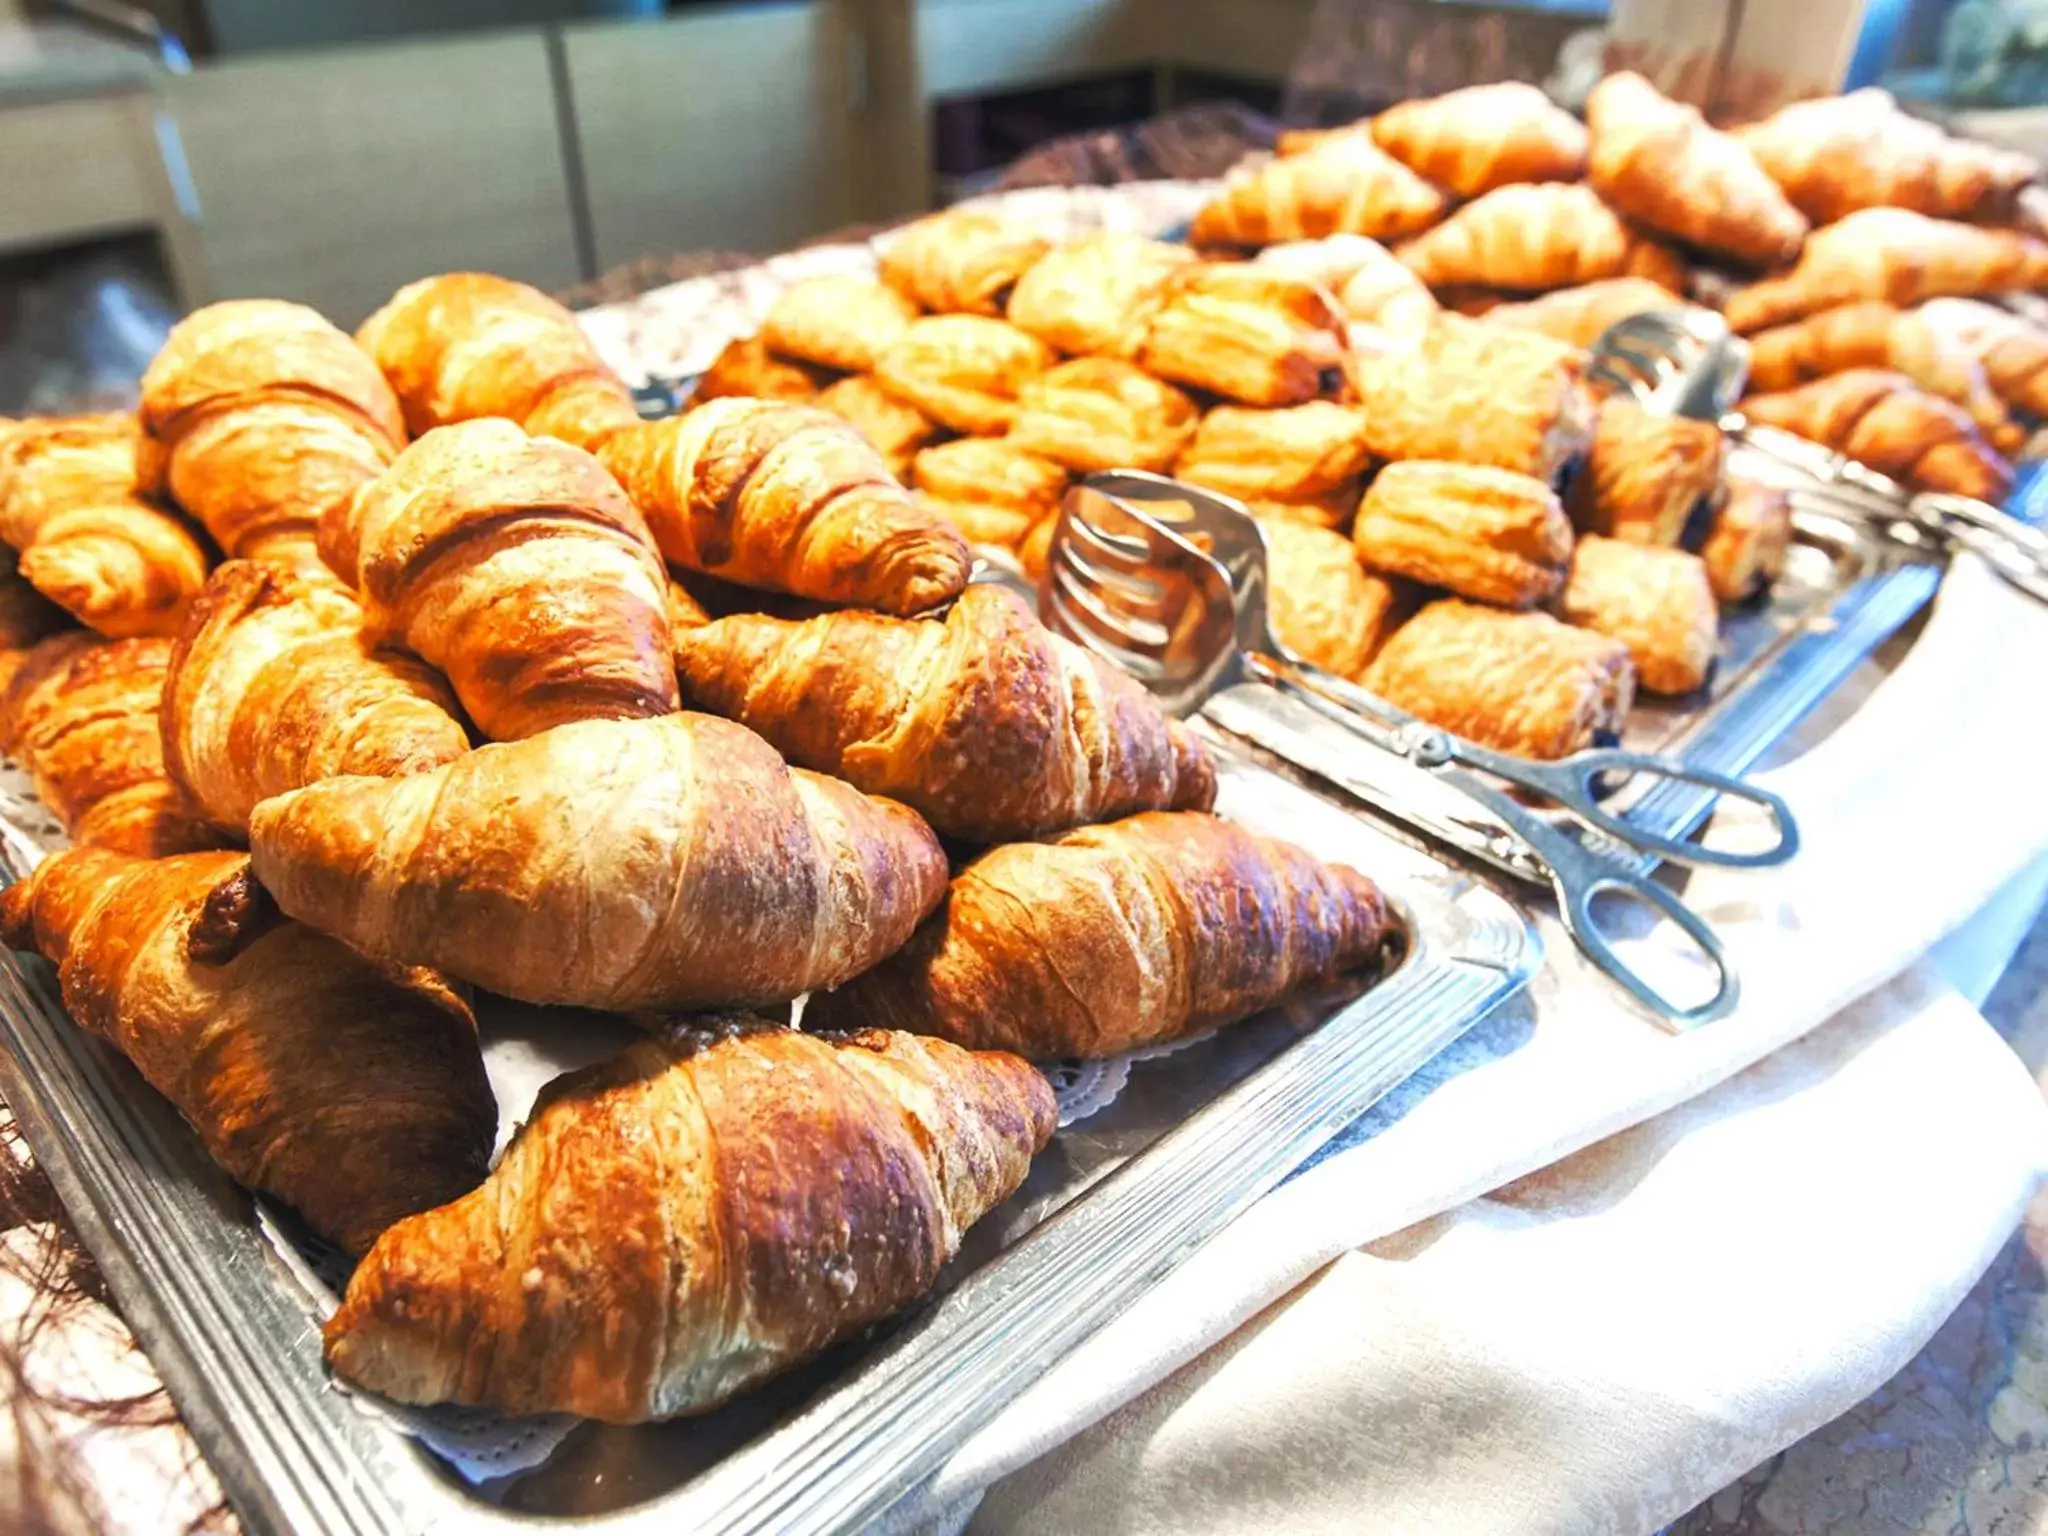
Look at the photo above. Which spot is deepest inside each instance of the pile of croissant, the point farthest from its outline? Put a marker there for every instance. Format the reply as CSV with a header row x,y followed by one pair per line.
x,y
370,674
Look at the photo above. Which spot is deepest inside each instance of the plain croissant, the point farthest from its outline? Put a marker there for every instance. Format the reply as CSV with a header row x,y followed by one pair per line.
x,y
355,1095
1534,236
87,542
1344,185
271,688
1114,937
989,725
789,498
517,566
1884,420
466,345
620,864
257,416
709,1208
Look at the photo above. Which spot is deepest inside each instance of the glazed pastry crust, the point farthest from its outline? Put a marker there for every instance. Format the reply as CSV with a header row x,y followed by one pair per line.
x,y
1747,540
1292,456
1249,334
1344,185
988,488
1518,682
1881,419
1113,937
1484,136
963,370
1647,473
1487,534
1095,413
26,616
960,262
843,321
1324,605
747,369
1534,237
2012,350
1082,298
1657,602
1577,316
708,1209
896,428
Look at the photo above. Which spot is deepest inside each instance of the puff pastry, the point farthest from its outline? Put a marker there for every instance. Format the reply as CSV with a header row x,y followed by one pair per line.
x,y
1082,298
1657,602
1647,473
2012,350
26,616
1370,283
896,428
1344,185
988,488
1324,605
1537,236
1483,137
1881,419
1488,534
1113,937
1578,316
746,369
1292,456
1247,333
1095,413
960,262
1659,161
1896,255
843,321
1518,682
964,371
1746,542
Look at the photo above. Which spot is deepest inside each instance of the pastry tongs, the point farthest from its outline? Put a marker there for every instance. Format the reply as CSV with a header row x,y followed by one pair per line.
x,y
1688,363
1169,582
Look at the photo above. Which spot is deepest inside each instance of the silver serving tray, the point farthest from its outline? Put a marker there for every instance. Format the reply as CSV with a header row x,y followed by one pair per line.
x,y
1111,1207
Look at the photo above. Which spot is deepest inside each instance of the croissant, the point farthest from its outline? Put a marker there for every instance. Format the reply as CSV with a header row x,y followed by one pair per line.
x,y
356,1096
1325,606
1484,533
1895,255
1883,421
1370,283
960,262
1483,137
517,567
1344,185
1288,457
1657,602
709,1208
80,713
1647,473
844,321
1249,334
1578,316
1537,236
1659,161
895,428
467,344
1114,937
1095,413
747,369
2012,351
26,616
86,541
1081,298
988,725
1837,154
618,864
1746,543
257,416
988,488
788,498
271,687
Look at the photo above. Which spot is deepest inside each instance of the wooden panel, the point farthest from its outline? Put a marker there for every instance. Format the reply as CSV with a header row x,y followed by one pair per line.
x,y
726,129
74,168
333,177
970,47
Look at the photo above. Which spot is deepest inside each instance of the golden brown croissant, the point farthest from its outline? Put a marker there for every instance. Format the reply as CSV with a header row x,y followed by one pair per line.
x,y
788,498
988,488
1882,420
516,566
619,864
1244,332
670,1227
988,725
2012,350
87,542
1324,606
896,428
1082,298
1519,682
1578,316
356,1096
1484,137
843,320
1114,937
1647,473
1837,154
960,262
1096,413
1537,236
1895,255
1345,185
257,416
1474,393
271,687
1290,456
26,616
1370,283
1660,162
746,369
1746,542
964,371
467,344
1484,533
1657,602
80,713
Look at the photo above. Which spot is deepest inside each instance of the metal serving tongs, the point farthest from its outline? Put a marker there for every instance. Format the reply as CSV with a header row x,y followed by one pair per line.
x,y
1688,363
1169,582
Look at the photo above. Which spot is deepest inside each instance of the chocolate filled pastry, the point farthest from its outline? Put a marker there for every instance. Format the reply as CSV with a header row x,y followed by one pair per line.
x,y
1095,413
1247,333
1882,420
1518,682
747,369
1657,602
1488,534
1082,298
1306,456
844,321
897,428
1324,605
963,371
1344,185
1660,162
1647,473
1484,136
1577,316
960,262
1537,236
1475,393
987,487
1747,540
